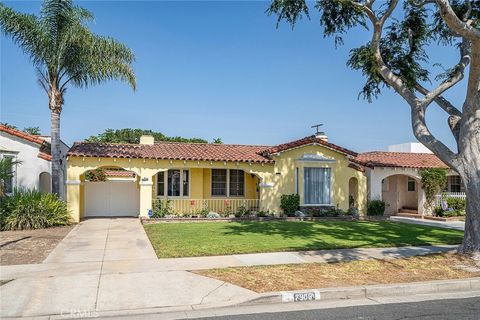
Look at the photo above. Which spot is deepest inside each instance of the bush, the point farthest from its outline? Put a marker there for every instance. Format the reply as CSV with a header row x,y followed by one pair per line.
x,y
96,175
290,203
161,209
242,211
32,209
457,204
375,208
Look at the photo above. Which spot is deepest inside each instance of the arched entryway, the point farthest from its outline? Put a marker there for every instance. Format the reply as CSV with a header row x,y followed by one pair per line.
x,y
45,182
353,192
110,192
400,193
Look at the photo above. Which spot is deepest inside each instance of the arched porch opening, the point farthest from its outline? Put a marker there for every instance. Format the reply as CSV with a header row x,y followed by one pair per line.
x,y
402,194
110,191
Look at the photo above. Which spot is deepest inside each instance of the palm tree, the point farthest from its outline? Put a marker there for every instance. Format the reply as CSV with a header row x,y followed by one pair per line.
x,y
65,52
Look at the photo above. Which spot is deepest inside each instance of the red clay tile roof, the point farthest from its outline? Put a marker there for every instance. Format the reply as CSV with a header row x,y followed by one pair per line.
x,y
171,151
120,173
44,156
306,141
44,149
23,135
399,159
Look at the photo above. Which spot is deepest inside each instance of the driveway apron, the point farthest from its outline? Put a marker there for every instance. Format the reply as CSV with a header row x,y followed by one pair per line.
x,y
106,265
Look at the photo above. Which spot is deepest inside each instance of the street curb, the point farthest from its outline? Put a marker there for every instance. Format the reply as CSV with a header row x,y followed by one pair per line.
x,y
369,291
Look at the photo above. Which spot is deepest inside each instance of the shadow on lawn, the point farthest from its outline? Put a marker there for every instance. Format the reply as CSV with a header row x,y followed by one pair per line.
x,y
348,234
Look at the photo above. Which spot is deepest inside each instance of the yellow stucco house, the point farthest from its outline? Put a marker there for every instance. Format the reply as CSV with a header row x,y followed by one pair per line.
x,y
219,177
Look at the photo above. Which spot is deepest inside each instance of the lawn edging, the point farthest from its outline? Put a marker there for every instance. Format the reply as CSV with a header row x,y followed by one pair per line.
x,y
144,220
370,291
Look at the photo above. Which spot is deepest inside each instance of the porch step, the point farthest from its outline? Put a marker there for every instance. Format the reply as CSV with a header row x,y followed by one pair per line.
x,y
409,215
408,210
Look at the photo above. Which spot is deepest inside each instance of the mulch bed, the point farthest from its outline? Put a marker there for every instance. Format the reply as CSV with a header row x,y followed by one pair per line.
x,y
29,246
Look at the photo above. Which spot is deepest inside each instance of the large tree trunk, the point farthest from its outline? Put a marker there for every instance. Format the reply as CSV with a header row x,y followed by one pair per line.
x,y
56,155
471,179
55,105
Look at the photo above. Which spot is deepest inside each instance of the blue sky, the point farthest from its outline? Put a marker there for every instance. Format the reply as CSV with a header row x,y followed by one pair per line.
x,y
218,69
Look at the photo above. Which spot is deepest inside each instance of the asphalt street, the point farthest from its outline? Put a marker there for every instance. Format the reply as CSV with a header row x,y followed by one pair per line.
x,y
455,309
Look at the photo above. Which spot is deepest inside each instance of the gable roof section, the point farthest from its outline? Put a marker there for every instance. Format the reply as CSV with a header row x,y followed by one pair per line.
x,y
399,160
44,146
172,151
310,140
22,135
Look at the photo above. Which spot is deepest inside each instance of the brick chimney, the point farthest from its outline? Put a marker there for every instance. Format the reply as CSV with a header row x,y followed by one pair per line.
x,y
147,139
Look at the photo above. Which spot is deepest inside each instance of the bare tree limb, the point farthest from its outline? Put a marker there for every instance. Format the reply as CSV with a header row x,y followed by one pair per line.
x,y
455,24
471,104
443,103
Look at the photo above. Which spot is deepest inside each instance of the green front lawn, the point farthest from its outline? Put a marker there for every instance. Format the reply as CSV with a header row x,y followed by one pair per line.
x,y
223,238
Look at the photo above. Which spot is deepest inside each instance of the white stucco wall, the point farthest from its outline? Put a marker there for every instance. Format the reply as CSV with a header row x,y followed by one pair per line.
x,y
28,172
410,147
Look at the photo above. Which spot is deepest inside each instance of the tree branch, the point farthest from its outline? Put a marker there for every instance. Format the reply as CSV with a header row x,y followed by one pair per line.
x,y
454,23
441,101
419,125
455,77
471,104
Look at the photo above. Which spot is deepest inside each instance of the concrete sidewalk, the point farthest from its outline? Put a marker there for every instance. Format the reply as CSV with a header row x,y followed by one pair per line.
x,y
456,225
319,256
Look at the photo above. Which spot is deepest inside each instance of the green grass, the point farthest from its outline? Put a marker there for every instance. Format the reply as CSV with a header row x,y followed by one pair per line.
x,y
223,238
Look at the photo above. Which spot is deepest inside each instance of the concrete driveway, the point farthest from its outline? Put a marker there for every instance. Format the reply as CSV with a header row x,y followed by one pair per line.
x,y
102,266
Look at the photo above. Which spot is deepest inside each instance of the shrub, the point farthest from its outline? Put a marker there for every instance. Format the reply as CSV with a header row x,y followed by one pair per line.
x,y
290,203
32,209
242,211
375,208
263,214
457,204
161,209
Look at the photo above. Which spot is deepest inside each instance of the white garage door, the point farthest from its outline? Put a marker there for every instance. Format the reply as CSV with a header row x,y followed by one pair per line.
x,y
111,198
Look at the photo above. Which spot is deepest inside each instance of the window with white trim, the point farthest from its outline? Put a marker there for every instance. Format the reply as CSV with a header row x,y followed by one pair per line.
x,y
173,183
237,183
161,184
317,186
455,184
11,178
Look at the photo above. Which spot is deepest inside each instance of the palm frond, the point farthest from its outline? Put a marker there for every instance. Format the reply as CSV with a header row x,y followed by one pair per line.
x,y
26,31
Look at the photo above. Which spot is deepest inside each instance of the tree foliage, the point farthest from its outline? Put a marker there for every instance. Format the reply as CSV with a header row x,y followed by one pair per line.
x,y
128,135
434,181
32,130
403,46
63,49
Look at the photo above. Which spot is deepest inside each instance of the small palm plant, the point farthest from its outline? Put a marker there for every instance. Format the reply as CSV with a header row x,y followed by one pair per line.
x,y
6,172
65,52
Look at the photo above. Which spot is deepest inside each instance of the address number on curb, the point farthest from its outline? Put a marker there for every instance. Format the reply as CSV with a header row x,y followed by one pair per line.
x,y
300,296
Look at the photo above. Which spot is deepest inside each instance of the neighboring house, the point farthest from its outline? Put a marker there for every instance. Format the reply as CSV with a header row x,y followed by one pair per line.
x,y
33,152
217,177
394,177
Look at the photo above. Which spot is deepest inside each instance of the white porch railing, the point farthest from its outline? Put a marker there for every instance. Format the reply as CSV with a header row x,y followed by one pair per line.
x,y
445,195
196,206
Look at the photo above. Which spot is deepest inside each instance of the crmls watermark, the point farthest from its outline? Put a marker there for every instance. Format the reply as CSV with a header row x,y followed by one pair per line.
x,y
79,313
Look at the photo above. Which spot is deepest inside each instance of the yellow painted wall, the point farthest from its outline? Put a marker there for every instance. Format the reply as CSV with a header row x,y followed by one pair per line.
x,y
274,179
284,177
